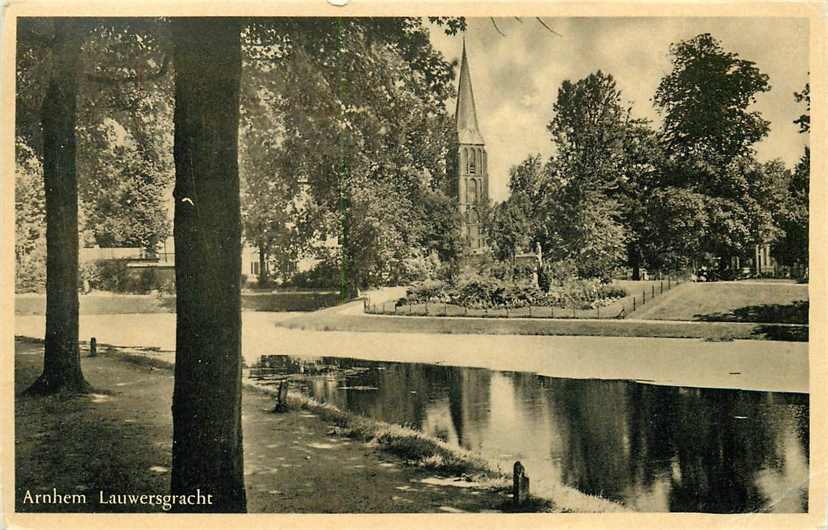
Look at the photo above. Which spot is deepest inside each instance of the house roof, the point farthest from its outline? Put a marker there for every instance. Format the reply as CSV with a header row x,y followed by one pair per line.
x,y
468,132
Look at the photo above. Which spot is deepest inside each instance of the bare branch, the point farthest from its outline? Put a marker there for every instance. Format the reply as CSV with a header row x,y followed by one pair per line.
x,y
103,79
542,23
496,28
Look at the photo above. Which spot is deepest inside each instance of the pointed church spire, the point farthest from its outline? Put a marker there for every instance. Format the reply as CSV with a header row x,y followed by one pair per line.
x,y
465,115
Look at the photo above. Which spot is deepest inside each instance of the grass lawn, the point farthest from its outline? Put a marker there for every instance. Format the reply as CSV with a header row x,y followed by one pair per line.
x,y
545,326
116,304
731,302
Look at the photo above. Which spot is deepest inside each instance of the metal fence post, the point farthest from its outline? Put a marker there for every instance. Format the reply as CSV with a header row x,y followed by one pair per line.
x,y
661,287
653,290
598,311
633,303
530,310
644,297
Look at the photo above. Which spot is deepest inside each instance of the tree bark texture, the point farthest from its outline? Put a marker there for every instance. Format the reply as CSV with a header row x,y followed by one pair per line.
x,y
264,272
207,431
61,362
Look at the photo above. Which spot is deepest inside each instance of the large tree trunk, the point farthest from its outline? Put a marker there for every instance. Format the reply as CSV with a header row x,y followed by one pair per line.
x,y
207,430
636,264
264,272
61,362
348,274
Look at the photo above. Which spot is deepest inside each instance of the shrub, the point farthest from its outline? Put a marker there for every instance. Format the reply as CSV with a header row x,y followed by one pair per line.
x,y
487,292
166,284
141,281
426,291
560,271
584,294
88,275
417,268
112,275
30,271
325,275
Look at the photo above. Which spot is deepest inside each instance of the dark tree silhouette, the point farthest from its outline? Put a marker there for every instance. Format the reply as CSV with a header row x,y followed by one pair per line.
x,y
61,362
207,431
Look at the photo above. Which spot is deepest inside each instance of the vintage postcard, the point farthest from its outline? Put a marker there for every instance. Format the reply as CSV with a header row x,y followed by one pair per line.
x,y
308,265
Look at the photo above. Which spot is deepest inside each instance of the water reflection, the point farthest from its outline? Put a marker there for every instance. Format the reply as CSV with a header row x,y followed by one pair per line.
x,y
652,448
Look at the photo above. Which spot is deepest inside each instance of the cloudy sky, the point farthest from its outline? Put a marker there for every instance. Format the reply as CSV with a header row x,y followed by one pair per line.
x,y
516,77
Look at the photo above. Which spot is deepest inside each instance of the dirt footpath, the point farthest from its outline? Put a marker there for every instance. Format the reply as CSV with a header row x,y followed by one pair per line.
x,y
119,441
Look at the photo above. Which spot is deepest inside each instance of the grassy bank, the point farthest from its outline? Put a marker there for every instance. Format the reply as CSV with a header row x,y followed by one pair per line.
x,y
114,303
422,451
778,303
549,327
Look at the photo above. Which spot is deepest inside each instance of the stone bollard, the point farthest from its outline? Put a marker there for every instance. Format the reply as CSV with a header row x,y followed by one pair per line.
x,y
93,347
281,397
520,485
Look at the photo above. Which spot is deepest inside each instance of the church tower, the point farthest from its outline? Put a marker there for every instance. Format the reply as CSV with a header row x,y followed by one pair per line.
x,y
472,173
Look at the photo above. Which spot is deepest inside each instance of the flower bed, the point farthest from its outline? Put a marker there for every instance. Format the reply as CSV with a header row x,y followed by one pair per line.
x,y
475,292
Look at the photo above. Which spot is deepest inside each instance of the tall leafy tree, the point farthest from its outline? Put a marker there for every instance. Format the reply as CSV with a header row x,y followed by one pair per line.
x,y
29,222
207,429
272,214
521,221
639,178
708,131
122,126
363,116
588,130
125,133
793,247
61,364
705,100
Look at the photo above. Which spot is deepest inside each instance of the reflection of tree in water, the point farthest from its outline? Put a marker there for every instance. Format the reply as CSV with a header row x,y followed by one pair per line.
x,y
619,439
612,438
724,443
591,417
469,404
401,393
651,432
530,392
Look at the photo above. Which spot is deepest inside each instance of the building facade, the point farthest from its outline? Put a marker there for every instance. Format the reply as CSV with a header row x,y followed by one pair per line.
x,y
472,168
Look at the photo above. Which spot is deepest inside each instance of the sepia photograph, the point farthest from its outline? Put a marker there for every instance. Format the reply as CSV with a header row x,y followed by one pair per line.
x,y
493,263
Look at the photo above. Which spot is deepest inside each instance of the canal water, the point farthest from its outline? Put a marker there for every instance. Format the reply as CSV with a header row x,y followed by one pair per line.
x,y
651,448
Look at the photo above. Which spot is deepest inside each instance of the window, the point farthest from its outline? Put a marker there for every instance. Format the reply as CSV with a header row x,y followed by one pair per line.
x,y
254,268
472,158
472,191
